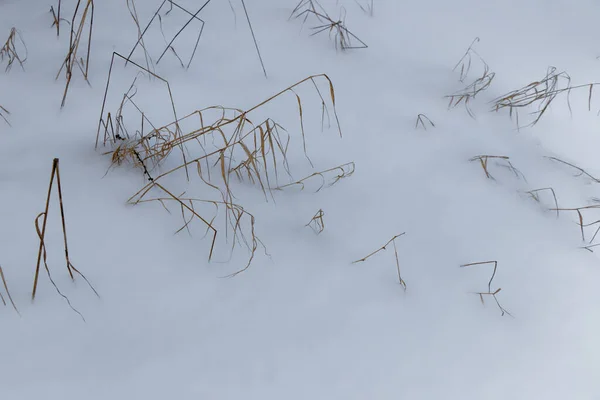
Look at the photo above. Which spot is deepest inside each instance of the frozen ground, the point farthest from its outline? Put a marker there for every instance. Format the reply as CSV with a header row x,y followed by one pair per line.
x,y
306,323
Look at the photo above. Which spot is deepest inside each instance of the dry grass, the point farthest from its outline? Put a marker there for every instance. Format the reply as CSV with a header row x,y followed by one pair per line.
x,y
230,132
7,292
316,223
535,195
470,92
579,210
483,160
4,113
140,41
169,43
339,172
73,60
368,8
580,171
590,248
467,94
56,19
301,9
465,62
421,119
13,50
342,37
231,145
382,248
580,222
481,83
41,231
541,94
262,64
489,286
235,216
112,125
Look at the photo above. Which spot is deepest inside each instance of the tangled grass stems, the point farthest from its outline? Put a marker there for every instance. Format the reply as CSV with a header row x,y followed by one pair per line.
x,y
256,144
467,94
72,60
106,122
140,41
234,221
541,94
231,145
466,60
169,46
300,10
342,37
169,43
10,50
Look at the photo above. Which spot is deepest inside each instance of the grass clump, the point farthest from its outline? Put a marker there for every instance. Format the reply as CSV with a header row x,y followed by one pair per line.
x,y
342,37
481,83
13,50
115,126
540,94
218,144
466,61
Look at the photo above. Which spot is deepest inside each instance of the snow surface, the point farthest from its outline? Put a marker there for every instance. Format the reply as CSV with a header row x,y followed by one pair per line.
x,y
306,323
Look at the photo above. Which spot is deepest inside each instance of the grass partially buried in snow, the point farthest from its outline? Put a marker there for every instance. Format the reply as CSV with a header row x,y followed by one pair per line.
x,y
411,196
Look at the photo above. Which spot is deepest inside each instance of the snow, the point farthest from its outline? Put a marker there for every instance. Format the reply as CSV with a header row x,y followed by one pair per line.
x,y
305,322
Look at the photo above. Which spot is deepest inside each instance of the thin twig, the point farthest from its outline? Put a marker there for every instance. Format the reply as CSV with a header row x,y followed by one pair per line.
x,y
8,292
254,38
382,248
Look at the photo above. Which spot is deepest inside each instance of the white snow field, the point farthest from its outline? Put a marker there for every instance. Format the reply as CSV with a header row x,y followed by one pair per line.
x,y
304,321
